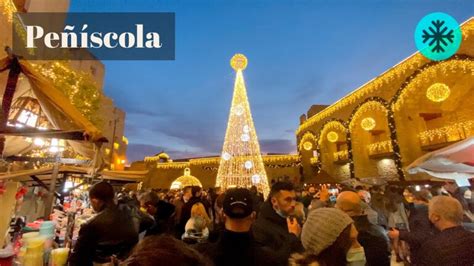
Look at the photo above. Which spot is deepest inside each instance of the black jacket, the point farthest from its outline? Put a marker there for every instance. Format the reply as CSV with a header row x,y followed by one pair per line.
x,y
271,230
451,247
374,240
421,230
164,219
237,249
111,232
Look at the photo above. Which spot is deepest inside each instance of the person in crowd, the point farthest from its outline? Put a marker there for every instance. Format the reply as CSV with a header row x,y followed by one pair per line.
x,y
162,211
309,197
110,233
164,250
186,210
236,245
330,238
453,245
379,203
275,226
218,219
419,224
197,227
142,221
372,237
366,208
464,196
300,213
180,201
257,198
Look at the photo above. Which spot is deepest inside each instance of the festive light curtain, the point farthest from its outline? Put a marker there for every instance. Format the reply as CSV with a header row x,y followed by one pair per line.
x,y
241,164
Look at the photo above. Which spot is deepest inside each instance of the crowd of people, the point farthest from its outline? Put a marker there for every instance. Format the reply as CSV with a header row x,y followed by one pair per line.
x,y
293,226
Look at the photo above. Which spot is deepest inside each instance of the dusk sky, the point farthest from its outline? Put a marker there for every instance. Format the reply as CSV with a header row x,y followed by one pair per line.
x,y
300,53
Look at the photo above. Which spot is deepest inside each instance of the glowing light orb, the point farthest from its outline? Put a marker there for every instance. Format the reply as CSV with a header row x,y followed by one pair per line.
x,y
238,62
256,179
438,92
248,165
332,136
307,145
246,129
368,123
226,156
238,110
245,137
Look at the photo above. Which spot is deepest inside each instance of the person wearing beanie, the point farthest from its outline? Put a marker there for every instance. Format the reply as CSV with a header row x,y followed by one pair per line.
x,y
330,238
236,245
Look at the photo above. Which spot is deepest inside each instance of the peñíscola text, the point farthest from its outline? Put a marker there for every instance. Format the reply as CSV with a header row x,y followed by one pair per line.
x,y
70,39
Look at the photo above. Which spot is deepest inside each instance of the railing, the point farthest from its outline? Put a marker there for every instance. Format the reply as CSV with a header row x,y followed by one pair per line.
x,y
381,147
447,134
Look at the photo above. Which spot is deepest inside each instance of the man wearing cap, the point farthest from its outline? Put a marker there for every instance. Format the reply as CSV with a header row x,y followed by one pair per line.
x,y
236,245
276,226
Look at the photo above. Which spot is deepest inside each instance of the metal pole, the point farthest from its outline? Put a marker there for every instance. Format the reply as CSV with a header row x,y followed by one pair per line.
x,y
52,189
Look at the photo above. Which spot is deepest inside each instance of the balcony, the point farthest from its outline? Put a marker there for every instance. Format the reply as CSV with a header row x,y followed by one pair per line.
x,y
381,149
437,138
341,157
314,160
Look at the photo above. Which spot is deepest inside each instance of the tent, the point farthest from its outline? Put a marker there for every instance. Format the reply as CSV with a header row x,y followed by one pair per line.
x,y
454,162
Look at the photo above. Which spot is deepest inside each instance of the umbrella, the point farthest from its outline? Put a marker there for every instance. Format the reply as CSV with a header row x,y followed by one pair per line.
x,y
454,162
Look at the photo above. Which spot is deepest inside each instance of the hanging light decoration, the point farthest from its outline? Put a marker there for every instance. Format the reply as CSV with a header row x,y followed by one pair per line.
x,y
226,156
332,136
307,145
438,92
368,123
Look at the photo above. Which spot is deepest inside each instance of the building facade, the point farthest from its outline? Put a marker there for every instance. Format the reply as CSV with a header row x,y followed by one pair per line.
x,y
376,131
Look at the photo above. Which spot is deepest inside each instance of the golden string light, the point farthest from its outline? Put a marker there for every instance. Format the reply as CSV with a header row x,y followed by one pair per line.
x,y
448,133
307,145
341,155
241,164
380,147
438,92
307,137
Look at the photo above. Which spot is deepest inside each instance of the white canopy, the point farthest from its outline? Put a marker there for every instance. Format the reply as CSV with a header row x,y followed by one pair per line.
x,y
454,162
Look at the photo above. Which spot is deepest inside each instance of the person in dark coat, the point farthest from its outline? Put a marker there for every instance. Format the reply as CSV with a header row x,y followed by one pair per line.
x,y
453,245
162,212
420,227
236,245
276,226
371,237
186,210
110,233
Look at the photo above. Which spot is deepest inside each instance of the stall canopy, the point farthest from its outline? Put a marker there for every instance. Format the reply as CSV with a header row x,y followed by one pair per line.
x,y
46,172
63,116
454,162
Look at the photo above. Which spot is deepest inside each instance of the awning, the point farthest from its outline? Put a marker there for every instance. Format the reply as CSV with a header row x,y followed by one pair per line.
x,y
454,162
24,175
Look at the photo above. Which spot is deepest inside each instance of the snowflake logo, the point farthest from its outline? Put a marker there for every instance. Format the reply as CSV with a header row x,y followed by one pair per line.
x,y
438,36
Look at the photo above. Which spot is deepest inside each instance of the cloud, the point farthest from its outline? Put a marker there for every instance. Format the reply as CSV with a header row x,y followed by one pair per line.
x,y
277,146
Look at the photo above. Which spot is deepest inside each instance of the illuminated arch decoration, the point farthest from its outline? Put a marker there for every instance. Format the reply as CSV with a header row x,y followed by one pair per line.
x,y
336,125
308,136
375,104
457,63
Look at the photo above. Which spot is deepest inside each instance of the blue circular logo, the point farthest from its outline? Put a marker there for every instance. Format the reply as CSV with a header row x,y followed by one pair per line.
x,y
438,36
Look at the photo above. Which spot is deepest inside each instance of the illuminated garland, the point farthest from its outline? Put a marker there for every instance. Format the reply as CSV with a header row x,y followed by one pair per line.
x,y
412,64
341,155
372,107
307,137
78,86
380,147
172,165
8,9
452,132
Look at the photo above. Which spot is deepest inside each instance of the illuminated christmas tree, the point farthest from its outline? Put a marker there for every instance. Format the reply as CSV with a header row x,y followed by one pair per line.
x,y
241,163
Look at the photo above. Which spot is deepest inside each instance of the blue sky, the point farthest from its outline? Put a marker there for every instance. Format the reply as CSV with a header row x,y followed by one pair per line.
x,y
300,52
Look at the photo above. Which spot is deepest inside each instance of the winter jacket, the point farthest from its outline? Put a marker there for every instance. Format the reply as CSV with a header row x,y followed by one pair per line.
x,y
238,249
374,240
111,232
271,230
164,219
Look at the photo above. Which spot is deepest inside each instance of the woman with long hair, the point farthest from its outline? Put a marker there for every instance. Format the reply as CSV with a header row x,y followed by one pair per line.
x,y
197,227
